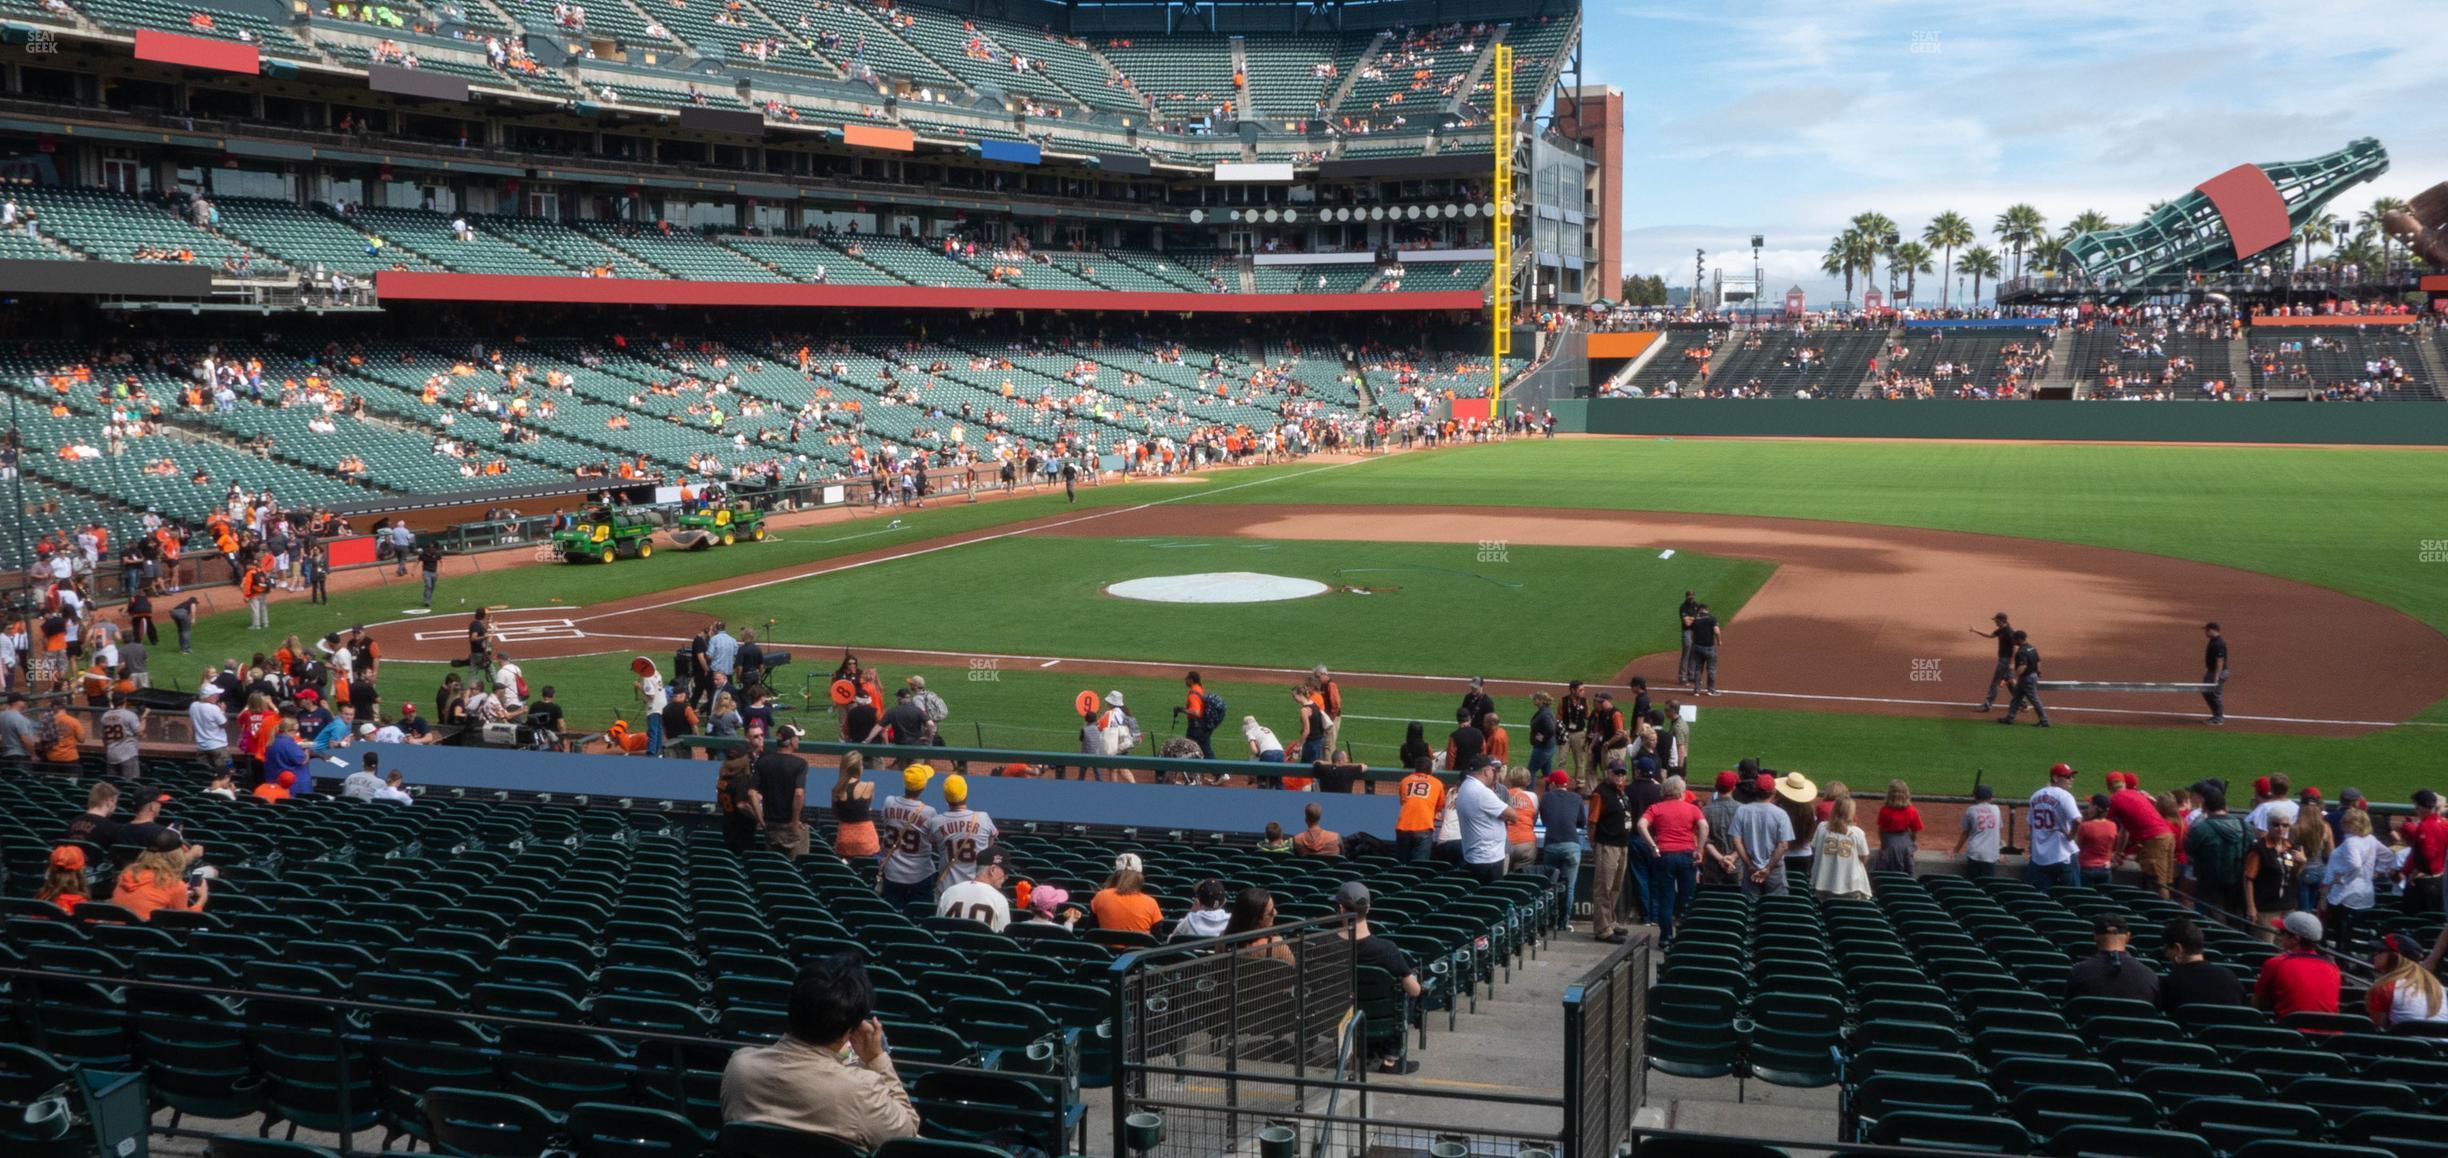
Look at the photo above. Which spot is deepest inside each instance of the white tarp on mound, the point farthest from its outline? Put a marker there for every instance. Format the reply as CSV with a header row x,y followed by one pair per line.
x,y
1217,587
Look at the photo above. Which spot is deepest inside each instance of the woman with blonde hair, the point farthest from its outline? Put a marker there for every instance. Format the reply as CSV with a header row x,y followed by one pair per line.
x,y
854,830
158,880
1840,855
2405,991
64,881
2351,869
725,719
1899,826
2313,842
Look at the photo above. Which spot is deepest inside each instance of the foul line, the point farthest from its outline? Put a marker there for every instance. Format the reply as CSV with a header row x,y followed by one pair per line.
x,y
913,554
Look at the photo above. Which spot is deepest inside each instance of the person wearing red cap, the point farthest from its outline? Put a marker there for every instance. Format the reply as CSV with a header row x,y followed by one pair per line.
x,y
2142,833
2053,816
1563,813
2403,992
1717,855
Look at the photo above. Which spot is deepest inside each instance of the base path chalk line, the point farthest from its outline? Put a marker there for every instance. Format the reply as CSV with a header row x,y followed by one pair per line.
x,y
1016,531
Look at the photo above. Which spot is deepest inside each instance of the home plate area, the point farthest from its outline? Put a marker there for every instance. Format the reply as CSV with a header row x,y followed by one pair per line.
x,y
524,631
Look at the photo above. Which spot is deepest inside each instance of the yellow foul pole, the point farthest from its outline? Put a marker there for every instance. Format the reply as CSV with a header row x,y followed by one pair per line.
x,y
1500,297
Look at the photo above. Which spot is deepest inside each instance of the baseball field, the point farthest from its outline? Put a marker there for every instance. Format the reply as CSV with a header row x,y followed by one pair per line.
x,y
1848,574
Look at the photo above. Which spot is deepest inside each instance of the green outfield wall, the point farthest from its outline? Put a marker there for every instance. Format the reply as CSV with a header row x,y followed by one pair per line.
x,y
2372,423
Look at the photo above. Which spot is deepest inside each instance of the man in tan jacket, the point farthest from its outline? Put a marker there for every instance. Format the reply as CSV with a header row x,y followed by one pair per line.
x,y
809,1080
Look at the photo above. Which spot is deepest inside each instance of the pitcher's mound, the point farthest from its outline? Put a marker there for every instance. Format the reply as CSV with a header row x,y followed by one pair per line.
x,y
1217,587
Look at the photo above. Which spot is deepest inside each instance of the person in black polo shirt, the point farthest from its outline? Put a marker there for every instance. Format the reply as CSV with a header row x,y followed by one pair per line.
x,y
1369,949
1476,703
2214,672
1573,712
2112,972
1706,638
545,716
1610,836
2003,633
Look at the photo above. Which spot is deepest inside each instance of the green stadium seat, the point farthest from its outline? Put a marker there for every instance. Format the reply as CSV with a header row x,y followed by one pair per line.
x,y
766,1140
1922,1130
2230,1123
2091,1141
483,1124
601,1130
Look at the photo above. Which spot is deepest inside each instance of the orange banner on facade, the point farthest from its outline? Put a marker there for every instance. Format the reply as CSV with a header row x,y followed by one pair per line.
x,y
1620,345
870,137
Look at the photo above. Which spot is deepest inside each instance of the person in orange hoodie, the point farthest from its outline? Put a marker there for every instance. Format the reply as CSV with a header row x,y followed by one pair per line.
x,y
158,880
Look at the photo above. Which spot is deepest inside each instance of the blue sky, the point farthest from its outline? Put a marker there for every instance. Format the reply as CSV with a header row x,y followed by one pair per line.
x,y
1786,118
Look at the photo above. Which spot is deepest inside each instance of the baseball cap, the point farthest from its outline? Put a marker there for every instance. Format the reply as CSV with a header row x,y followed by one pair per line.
x,y
1765,782
1046,898
1351,895
2061,772
2350,795
207,692
2261,785
956,788
1128,863
1983,792
994,855
2302,924
2423,798
2398,943
2312,792
407,709
2108,925
1477,682
366,729
1727,780
1559,778
309,696
916,776
288,779
1644,765
69,857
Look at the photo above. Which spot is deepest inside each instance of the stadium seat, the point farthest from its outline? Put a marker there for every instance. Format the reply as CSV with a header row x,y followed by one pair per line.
x,y
481,1124
766,1140
2230,1123
1917,1129
599,1130
2127,1142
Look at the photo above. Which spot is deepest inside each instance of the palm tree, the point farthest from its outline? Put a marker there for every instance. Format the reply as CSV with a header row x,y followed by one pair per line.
x,y
1948,231
1980,263
2370,221
2019,226
1838,261
1913,258
2049,254
1878,235
2088,221
2333,230
2313,232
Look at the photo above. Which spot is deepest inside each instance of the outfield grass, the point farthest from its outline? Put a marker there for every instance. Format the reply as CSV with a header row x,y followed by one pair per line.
x,y
1437,608
2353,520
